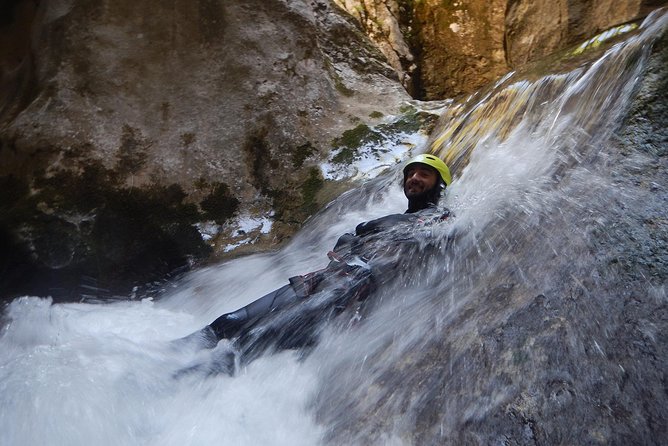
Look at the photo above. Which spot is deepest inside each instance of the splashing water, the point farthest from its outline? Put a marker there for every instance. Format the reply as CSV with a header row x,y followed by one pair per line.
x,y
81,374
528,300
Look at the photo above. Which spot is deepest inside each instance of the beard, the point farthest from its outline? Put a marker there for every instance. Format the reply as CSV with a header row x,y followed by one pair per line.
x,y
423,200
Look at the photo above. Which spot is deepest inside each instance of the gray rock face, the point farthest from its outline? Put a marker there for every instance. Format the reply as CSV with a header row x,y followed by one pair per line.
x,y
446,49
150,108
115,114
192,82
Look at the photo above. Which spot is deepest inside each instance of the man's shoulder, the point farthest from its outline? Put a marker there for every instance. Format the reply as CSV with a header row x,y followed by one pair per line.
x,y
433,213
383,223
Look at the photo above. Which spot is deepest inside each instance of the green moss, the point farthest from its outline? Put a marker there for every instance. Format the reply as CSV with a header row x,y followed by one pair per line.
x,y
351,140
188,138
201,183
376,115
300,153
314,182
341,87
356,137
410,122
345,156
257,154
132,152
220,204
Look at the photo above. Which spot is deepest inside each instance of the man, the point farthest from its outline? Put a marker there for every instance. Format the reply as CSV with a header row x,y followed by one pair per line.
x,y
290,316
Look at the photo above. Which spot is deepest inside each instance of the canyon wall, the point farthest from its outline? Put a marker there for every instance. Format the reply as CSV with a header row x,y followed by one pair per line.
x,y
123,124
449,48
129,128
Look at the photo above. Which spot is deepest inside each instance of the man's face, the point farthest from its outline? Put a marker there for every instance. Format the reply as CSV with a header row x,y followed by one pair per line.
x,y
420,178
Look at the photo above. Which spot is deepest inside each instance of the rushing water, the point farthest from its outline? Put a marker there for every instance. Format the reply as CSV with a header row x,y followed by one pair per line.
x,y
84,374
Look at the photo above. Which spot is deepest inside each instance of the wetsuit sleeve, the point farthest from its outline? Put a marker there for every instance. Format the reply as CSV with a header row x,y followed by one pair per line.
x,y
381,224
345,243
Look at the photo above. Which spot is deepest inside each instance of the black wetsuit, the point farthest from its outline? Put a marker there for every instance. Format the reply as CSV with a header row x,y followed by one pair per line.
x,y
290,317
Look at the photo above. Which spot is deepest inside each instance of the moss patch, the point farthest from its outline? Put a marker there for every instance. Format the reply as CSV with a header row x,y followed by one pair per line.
x,y
336,79
348,145
188,138
220,204
357,136
410,122
341,88
300,153
283,179
132,152
258,158
309,189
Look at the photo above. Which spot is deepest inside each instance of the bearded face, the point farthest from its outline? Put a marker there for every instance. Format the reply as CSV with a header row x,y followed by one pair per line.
x,y
422,186
419,180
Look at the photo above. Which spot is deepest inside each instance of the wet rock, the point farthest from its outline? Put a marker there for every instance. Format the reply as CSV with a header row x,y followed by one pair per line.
x,y
84,236
125,97
447,49
547,326
126,123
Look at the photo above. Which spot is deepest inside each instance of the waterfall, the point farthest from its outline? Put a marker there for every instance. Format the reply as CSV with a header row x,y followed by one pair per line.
x,y
513,332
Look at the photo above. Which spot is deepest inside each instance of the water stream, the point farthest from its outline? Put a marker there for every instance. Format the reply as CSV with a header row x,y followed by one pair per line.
x,y
531,158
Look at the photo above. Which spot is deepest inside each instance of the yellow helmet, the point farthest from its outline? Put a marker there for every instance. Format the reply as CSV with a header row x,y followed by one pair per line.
x,y
432,161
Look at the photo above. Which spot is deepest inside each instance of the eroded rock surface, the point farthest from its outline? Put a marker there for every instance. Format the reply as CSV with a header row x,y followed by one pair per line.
x,y
129,115
131,121
446,49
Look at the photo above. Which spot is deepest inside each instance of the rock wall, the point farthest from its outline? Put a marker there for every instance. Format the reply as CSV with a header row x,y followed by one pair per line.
x,y
446,49
461,45
124,123
387,23
536,29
